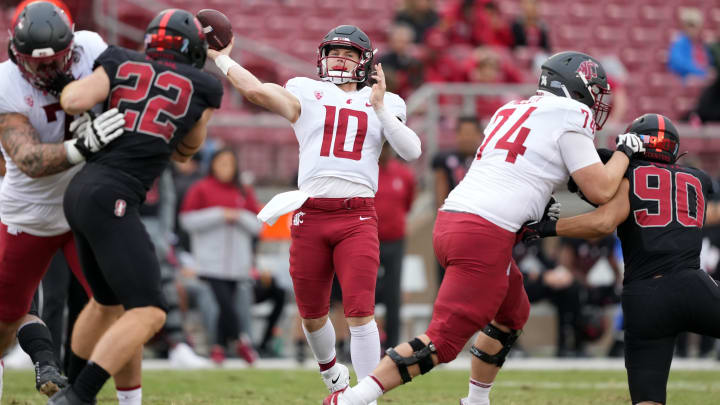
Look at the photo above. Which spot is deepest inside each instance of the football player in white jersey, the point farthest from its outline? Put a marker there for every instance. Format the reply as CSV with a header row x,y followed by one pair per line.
x,y
340,123
40,154
530,147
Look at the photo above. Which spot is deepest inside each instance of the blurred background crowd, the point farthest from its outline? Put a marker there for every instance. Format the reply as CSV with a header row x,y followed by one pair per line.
x,y
454,62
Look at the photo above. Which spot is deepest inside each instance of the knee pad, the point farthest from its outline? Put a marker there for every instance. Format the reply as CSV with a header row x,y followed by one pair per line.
x,y
507,339
422,356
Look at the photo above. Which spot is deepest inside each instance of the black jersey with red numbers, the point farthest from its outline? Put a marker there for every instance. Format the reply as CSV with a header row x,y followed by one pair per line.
x,y
663,232
162,101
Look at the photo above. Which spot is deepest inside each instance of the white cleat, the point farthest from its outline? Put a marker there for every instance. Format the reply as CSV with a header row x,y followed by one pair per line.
x,y
183,356
464,401
337,378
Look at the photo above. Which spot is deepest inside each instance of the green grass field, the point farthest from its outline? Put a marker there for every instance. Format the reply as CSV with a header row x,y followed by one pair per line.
x,y
301,387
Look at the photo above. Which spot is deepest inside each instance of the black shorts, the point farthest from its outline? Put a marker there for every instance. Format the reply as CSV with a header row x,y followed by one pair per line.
x,y
656,310
116,253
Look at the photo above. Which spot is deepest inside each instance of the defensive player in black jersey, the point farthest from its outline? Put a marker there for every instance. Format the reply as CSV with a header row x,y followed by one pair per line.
x,y
167,101
659,211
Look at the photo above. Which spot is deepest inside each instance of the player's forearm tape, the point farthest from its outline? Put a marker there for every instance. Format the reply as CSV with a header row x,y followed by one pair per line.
x,y
403,139
72,153
224,63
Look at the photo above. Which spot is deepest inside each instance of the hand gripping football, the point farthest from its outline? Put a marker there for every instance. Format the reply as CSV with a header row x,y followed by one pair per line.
x,y
217,28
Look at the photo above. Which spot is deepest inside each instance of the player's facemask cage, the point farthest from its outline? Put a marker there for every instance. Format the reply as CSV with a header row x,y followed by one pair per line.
x,y
42,66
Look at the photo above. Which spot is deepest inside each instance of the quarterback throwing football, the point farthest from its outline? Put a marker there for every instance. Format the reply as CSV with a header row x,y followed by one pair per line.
x,y
340,123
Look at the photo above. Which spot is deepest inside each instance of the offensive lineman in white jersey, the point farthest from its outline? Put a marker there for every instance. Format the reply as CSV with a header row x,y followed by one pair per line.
x,y
40,154
530,147
340,124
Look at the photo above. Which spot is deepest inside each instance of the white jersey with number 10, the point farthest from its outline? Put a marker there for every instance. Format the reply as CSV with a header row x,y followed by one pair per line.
x,y
339,133
519,163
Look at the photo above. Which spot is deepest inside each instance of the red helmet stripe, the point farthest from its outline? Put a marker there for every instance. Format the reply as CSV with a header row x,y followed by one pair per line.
x,y
661,127
164,22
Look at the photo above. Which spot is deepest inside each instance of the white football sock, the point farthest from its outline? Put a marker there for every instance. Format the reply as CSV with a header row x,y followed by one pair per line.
x,y
479,393
322,342
132,396
367,391
365,348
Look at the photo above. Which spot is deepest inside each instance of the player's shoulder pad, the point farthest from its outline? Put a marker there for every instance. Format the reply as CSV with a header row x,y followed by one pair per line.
x,y
12,98
299,83
112,54
89,39
578,117
707,181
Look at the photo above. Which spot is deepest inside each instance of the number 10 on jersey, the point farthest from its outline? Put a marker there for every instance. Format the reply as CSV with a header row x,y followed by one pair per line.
x,y
341,132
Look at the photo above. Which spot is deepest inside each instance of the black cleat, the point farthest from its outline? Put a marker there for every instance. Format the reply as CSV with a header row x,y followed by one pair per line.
x,y
48,379
66,396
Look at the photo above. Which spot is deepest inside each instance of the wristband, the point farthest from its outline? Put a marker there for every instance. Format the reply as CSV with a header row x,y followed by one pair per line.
x,y
73,154
224,63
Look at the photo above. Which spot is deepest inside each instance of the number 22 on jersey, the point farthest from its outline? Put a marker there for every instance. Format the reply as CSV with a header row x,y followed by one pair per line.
x,y
150,121
514,147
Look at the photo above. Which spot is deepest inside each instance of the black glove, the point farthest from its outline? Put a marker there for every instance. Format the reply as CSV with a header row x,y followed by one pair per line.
x,y
58,83
534,230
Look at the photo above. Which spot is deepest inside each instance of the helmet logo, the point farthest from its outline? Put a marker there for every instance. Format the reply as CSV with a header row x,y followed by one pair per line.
x,y
588,69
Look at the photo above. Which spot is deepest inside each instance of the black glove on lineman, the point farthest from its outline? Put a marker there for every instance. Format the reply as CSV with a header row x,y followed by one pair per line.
x,y
534,230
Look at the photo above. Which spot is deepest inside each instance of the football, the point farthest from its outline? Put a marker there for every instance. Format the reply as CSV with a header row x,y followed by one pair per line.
x,y
217,28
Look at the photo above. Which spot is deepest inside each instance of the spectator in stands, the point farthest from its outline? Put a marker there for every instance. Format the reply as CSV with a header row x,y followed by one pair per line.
x,y
689,55
528,30
440,66
617,75
463,22
449,167
266,288
158,215
579,257
495,28
418,14
393,200
708,106
185,174
487,65
403,72
219,213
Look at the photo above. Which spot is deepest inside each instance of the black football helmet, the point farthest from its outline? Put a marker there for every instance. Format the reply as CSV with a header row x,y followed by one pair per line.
x,y
659,136
346,36
176,35
581,77
41,44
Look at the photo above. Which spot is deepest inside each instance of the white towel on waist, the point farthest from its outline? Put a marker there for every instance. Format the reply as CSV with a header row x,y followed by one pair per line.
x,y
281,204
